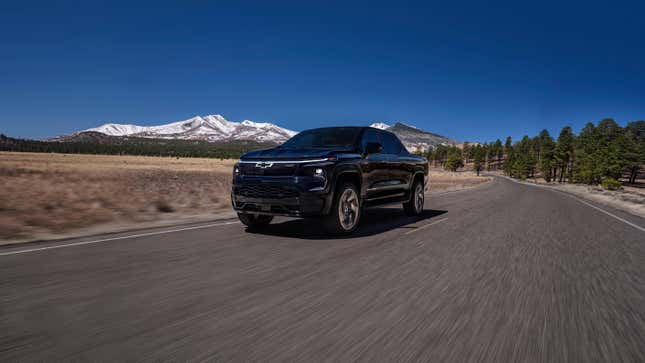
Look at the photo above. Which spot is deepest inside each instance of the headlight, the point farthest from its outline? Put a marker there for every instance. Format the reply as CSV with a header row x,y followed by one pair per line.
x,y
314,170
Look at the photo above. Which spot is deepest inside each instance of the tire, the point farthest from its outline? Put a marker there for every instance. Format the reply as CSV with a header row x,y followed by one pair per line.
x,y
414,207
254,221
345,212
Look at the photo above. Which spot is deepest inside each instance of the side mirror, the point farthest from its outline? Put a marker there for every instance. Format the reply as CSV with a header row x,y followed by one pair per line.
x,y
373,148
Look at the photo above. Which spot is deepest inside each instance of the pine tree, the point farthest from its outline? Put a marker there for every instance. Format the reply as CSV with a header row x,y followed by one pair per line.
x,y
466,151
564,151
440,154
508,156
635,133
614,145
454,160
587,147
498,152
479,157
546,155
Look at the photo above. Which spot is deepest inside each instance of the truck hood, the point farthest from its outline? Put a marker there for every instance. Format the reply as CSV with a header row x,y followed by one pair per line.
x,y
291,154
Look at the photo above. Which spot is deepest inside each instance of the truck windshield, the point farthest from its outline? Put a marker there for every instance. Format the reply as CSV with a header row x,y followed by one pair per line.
x,y
344,137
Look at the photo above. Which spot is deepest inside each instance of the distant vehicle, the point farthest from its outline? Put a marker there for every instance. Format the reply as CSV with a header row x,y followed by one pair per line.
x,y
331,173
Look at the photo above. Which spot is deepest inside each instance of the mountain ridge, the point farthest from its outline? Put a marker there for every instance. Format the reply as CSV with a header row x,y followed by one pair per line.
x,y
206,128
414,138
216,128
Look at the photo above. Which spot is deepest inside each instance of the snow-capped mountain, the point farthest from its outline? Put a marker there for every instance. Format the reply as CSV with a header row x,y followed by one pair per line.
x,y
216,128
380,125
415,139
208,128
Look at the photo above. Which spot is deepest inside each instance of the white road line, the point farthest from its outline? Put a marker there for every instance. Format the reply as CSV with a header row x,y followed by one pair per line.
x,y
583,202
116,238
447,192
430,191
425,226
602,210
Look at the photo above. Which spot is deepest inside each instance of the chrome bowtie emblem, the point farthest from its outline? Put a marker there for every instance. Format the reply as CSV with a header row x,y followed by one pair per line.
x,y
263,165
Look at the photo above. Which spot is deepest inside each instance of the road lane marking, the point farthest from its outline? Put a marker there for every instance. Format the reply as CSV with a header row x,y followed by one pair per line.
x,y
426,225
432,193
604,211
583,202
116,238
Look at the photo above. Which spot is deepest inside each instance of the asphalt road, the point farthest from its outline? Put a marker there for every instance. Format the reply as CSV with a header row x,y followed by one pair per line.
x,y
503,272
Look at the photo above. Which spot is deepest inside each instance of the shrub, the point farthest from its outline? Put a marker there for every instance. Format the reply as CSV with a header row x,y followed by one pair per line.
x,y
453,162
163,206
610,184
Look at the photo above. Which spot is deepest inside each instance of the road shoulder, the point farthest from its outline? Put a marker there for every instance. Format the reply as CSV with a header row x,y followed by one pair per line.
x,y
96,231
614,210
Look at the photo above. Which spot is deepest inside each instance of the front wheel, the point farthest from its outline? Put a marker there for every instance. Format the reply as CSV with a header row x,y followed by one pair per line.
x,y
345,212
414,206
254,221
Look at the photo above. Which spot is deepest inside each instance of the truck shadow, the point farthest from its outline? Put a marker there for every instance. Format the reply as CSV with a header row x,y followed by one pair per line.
x,y
373,221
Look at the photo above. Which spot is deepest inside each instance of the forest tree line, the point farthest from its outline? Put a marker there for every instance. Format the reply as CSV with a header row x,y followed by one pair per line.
x,y
598,154
134,146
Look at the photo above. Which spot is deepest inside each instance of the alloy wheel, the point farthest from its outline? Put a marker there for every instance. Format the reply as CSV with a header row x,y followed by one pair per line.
x,y
348,209
419,198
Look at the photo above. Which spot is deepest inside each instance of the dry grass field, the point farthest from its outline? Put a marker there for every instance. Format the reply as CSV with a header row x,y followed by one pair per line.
x,y
447,180
46,195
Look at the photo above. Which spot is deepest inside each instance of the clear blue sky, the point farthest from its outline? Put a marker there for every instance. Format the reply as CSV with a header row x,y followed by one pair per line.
x,y
470,71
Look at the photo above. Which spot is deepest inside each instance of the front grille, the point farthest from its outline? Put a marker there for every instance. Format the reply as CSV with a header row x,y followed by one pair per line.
x,y
273,170
266,191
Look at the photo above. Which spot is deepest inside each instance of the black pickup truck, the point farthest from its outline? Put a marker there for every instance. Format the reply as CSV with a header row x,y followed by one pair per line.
x,y
331,173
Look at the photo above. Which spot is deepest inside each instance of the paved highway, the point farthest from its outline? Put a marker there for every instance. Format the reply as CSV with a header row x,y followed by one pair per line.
x,y
503,272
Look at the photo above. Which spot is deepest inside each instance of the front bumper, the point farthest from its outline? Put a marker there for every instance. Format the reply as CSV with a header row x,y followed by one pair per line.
x,y
286,196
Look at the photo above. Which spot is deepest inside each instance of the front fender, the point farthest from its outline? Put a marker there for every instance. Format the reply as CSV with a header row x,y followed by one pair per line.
x,y
340,171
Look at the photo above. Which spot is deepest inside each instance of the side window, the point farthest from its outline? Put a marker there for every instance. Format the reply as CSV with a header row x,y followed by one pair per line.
x,y
370,136
400,147
391,144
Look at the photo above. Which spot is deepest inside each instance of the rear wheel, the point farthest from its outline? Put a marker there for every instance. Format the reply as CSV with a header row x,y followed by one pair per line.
x,y
345,212
254,220
414,206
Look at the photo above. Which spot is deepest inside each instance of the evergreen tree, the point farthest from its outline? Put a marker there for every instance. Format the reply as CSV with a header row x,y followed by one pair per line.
x,y
466,151
587,147
440,154
563,152
523,161
546,155
479,156
490,156
613,147
635,133
498,151
508,156
454,160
